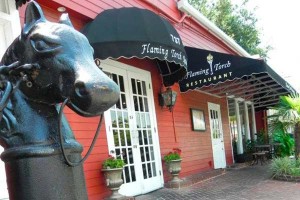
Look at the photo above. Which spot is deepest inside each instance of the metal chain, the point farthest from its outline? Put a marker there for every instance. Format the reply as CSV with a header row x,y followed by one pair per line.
x,y
74,164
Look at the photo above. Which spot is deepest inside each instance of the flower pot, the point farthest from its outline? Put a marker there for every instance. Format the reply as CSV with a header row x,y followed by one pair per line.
x,y
174,167
113,178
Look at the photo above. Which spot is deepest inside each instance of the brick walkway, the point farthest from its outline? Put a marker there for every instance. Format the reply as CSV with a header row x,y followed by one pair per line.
x,y
248,183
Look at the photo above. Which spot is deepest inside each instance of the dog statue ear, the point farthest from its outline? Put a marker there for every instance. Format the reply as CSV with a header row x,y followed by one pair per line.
x,y
64,19
33,14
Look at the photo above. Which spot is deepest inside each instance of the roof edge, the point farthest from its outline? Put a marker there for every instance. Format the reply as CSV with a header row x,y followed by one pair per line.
x,y
187,8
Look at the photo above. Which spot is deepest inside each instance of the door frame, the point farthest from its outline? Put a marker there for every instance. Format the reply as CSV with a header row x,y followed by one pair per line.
x,y
218,108
156,144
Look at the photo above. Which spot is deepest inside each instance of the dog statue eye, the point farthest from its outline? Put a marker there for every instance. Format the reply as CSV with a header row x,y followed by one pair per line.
x,y
42,46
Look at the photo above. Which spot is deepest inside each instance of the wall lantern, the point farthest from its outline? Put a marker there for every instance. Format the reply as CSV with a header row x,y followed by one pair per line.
x,y
168,98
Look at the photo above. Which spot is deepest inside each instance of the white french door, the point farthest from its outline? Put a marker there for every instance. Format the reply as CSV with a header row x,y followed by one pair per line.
x,y
131,132
217,137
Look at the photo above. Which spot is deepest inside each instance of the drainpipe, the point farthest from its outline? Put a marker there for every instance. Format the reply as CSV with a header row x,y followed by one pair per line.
x,y
171,17
185,7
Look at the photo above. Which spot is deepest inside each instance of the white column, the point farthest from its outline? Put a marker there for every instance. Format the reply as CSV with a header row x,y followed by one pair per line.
x,y
253,122
247,126
239,144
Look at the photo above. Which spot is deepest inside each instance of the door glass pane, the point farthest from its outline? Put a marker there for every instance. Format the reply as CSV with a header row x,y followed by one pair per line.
x,y
128,138
133,173
133,86
123,99
122,137
144,128
139,87
149,170
121,84
144,88
116,138
144,171
113,118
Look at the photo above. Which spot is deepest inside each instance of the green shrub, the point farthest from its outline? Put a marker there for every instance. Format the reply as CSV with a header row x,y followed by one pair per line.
x,y
285,166
295,171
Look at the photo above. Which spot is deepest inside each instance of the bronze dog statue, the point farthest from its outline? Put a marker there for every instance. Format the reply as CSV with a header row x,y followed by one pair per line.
x,y
49,63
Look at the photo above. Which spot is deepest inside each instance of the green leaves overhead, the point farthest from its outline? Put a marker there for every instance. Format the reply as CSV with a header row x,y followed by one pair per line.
x,y
236,21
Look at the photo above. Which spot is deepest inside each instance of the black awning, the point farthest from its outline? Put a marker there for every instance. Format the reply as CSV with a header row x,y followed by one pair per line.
x,y
228,75
134,32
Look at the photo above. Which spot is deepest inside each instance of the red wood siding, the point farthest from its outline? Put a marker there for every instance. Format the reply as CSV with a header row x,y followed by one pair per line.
x,y
196,146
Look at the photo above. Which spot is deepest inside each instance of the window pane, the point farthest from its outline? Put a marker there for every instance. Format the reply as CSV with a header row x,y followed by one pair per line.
x,y
140,138
139,87
121,83
146,104
145,137
116,138
149,170
120,119
144,171
126,174
130,155
122,137
141,104
128,138
136,104
113,118
154,169
142,154
144,88
133,86
123,99
147,153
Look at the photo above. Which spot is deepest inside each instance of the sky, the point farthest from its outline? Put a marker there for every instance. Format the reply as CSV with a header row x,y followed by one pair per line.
x,y
280,24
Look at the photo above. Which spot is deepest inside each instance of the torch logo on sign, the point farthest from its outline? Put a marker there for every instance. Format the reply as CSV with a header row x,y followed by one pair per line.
x,y
210,59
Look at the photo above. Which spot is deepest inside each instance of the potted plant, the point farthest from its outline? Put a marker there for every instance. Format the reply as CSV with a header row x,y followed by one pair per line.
x,y
173,163
112,168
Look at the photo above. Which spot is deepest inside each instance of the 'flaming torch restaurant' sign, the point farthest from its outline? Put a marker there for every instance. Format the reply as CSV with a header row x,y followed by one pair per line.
x,y
206,68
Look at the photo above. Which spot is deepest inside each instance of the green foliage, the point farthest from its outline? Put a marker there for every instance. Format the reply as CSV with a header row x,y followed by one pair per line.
x,y
287,143
173,155
250,146
288,110
260,137
113,163
285,166
236,21
287,116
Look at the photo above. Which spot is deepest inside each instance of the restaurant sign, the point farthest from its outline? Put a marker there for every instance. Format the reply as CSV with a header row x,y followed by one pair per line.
x,y
207,67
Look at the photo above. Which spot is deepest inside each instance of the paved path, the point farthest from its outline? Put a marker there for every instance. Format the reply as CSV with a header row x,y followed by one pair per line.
x,y
248,183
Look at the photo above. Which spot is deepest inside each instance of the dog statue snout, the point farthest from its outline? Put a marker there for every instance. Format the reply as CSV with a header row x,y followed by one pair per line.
x,y
93,94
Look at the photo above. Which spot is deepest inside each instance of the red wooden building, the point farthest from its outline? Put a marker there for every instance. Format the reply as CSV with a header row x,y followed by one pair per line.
x,y
141,130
